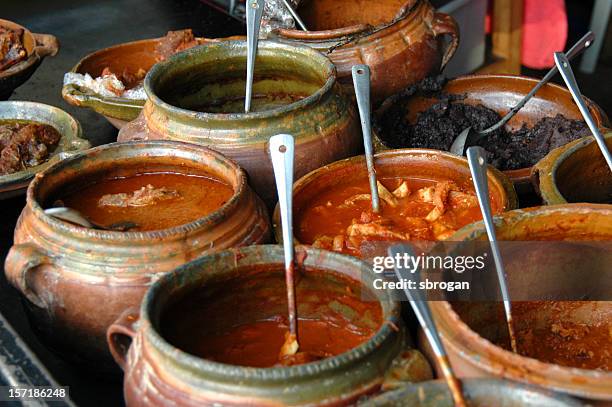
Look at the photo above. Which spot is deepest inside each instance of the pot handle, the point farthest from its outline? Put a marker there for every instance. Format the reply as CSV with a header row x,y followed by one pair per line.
x,y
46,45
443,24
120,335
22,260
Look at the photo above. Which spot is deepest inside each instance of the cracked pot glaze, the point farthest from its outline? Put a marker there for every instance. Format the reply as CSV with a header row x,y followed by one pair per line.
x,y
472,355
157,373
322,120
401,41
77,281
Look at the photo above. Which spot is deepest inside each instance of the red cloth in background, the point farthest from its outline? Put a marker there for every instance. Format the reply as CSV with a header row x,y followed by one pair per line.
x,y
544,32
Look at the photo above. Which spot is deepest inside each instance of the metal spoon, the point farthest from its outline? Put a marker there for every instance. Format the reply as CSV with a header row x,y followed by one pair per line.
x,y
295,15
232,6
478,167
254,10
361,82
282,154
421,309
74,216
470,137
568,76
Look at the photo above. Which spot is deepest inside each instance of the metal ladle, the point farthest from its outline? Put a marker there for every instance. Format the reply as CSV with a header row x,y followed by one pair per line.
x,y
361,82
568,76
282,155
470,137
77,218
478,167
421,309
254,11
295,15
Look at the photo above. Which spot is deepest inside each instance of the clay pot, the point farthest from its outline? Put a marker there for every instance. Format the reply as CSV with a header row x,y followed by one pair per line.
x,y
129,55
38,47
472,355
77,281
404,162
72,140
158,373
324,123
576,172
500,93
479,392
401,40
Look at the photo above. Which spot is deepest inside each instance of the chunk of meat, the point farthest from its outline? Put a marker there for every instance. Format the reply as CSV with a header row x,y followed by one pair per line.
x,y
25,145
144,196
12,50
437,195
402,191
385,195
458,199
175,41
375,230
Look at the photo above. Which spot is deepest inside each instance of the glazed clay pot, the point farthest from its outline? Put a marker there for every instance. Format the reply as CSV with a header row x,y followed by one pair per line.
x,y
472,355
421,163
157,373
77,281
576,172
324,122
38,46
479,392
402,41
500,93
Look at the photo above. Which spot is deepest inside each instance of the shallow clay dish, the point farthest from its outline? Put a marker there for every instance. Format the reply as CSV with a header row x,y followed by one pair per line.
x,y
38,47
72,140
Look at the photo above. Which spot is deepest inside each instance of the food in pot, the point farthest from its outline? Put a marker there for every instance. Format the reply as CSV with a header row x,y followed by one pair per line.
x,y
25,144
341,219
243,322
438,126
126,83
12,49
151,201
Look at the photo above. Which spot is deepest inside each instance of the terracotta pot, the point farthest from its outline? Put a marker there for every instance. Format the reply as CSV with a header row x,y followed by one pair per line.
x,y
158,373
71,141
129,55
472,355
325,124
500,93
576,172
78,281
402,37
480,392
404,162
38,47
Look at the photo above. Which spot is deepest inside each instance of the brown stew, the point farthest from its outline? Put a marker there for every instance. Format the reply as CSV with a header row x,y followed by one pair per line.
x,y
152,201
341,219
243,322
25,144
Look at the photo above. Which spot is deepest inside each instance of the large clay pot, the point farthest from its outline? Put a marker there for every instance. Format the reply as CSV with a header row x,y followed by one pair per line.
x,y
401,40
38,46
324,123
471,355
500,93
427,164
77,281
479,392
158,373
576,172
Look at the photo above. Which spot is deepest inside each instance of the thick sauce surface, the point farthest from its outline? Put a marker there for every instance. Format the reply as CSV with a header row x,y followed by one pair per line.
x,y
152,201
244,321
341,219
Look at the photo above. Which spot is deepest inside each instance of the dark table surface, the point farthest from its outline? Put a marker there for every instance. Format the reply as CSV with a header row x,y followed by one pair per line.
x,y
83,27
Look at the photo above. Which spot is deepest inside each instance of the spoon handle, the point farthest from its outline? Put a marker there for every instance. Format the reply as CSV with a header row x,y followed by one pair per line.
x,y
568,76
282,154
69,215
254,11
295,15
582,44
421,308
478,167
361,82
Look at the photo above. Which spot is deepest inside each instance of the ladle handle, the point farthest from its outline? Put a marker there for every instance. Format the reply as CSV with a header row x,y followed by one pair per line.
x,y
361,82
254,11
568,76
582,44
295,15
